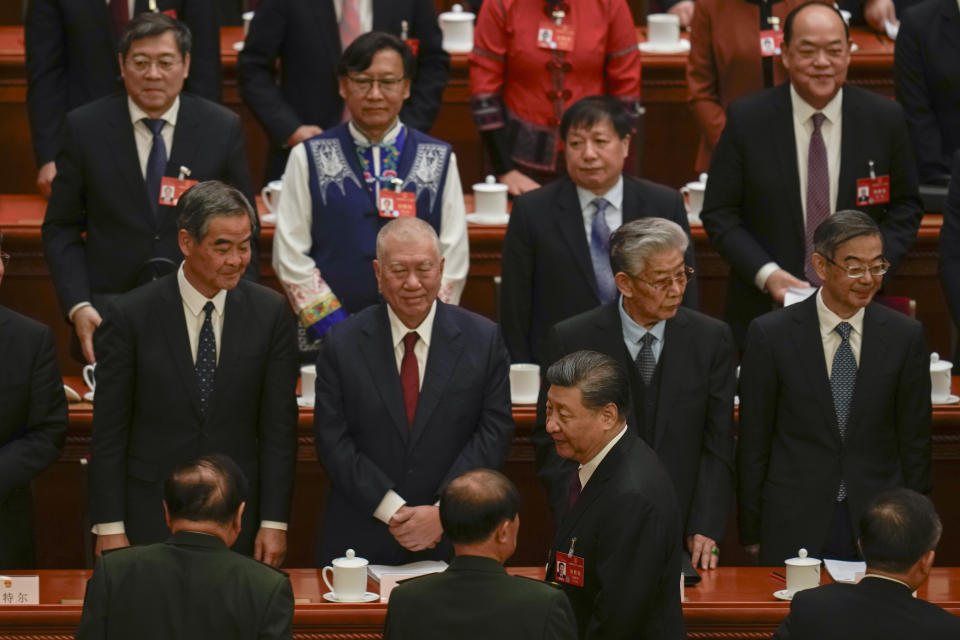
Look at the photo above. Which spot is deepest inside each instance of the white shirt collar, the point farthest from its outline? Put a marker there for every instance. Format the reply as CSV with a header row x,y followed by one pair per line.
x,y
359,137
425,329
802,110
634,331
614,196
587,468
829,320
170,116
194,300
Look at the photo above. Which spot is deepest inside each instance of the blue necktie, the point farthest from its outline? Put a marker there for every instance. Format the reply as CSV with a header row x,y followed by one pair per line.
x,y
646,363
156,162
206,365
600,251
843,378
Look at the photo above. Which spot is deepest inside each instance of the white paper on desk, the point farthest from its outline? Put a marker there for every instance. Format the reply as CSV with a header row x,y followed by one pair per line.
x,y
892,28
845,571
797,294
411,569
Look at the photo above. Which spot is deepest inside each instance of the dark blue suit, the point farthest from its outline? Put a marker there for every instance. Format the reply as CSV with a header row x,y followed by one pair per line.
x,y
463,422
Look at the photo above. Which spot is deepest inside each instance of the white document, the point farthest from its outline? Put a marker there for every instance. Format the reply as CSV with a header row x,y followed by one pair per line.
x,y
797,294
376,571
892,28
845,571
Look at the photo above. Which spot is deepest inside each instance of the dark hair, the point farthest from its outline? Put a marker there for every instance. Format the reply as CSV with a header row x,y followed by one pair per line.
x,y
842,227
208,489
149,25
206,200
897,528
474,504
599,377
788,24
588,111
359,55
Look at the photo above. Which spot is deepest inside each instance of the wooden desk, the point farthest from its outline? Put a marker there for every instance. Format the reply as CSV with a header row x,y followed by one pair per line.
x,y
730,603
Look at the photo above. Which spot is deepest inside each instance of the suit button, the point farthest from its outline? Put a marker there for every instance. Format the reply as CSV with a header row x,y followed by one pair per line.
x,y
156,238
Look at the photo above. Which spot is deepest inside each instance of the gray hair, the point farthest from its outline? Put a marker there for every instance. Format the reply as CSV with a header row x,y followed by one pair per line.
x,y
635,242
207,200
150,25
599,377
406,229
841,227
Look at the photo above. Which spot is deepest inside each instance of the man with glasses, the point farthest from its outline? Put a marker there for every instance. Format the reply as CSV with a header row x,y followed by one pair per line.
x,y
107,229
682,379
791,155
834,404
342,186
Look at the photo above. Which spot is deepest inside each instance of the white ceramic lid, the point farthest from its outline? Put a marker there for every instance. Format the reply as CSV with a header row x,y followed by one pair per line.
x,y
350,560
802,560
490,185
936,364
456,14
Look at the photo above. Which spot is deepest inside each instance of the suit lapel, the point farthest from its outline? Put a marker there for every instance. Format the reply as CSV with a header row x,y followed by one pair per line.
x,y
121,141
174,328
853,164
377,351
872,348
569,220
186,138
446,344
950,24
608,333
634,205
671,371
232,340
382,16
782,132
327,29
809,354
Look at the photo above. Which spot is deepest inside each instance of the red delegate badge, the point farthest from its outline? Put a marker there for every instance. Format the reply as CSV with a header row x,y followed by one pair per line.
x,y
771,41
551,35
873,191
171,189
414,44
171,12
569,569
397,204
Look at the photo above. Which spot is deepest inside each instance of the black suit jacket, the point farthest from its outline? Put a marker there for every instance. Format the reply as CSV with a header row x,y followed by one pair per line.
x,y
99,190
501,606
33,421
790,456
926,76
694,423
627,530
752,209
72,59
146,418
463,422
305,37
547,272
950,245
191,586
872,609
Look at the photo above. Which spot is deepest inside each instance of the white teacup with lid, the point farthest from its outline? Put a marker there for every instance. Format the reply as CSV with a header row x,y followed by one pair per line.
x,y
457,28
802,572
349,577
940,371
489,201
693,194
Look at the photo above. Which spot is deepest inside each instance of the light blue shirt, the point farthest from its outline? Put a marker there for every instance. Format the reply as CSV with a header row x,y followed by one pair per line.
x,y
633,333
614,212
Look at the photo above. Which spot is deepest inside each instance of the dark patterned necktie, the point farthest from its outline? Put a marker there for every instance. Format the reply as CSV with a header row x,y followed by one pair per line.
x,y
600,251
157,160
573,490
646,363
843,378
206,364
818,194
410,376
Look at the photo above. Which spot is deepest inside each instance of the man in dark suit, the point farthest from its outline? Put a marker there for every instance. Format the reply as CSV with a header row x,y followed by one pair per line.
x,y
616,551
950,247
555,251
111,167
411,393
926,76
71,48
475,596
33,420
682,379
899,532
308,37
198,361
815,138
834,404
192,585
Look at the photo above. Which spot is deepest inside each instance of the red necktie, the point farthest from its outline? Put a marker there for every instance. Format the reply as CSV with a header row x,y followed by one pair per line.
x,y
120,15
818,194
410,376
573,491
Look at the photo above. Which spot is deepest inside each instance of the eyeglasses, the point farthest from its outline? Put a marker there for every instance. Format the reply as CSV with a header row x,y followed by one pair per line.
x,y
143,64
662,284
387,85
5,258
859,270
